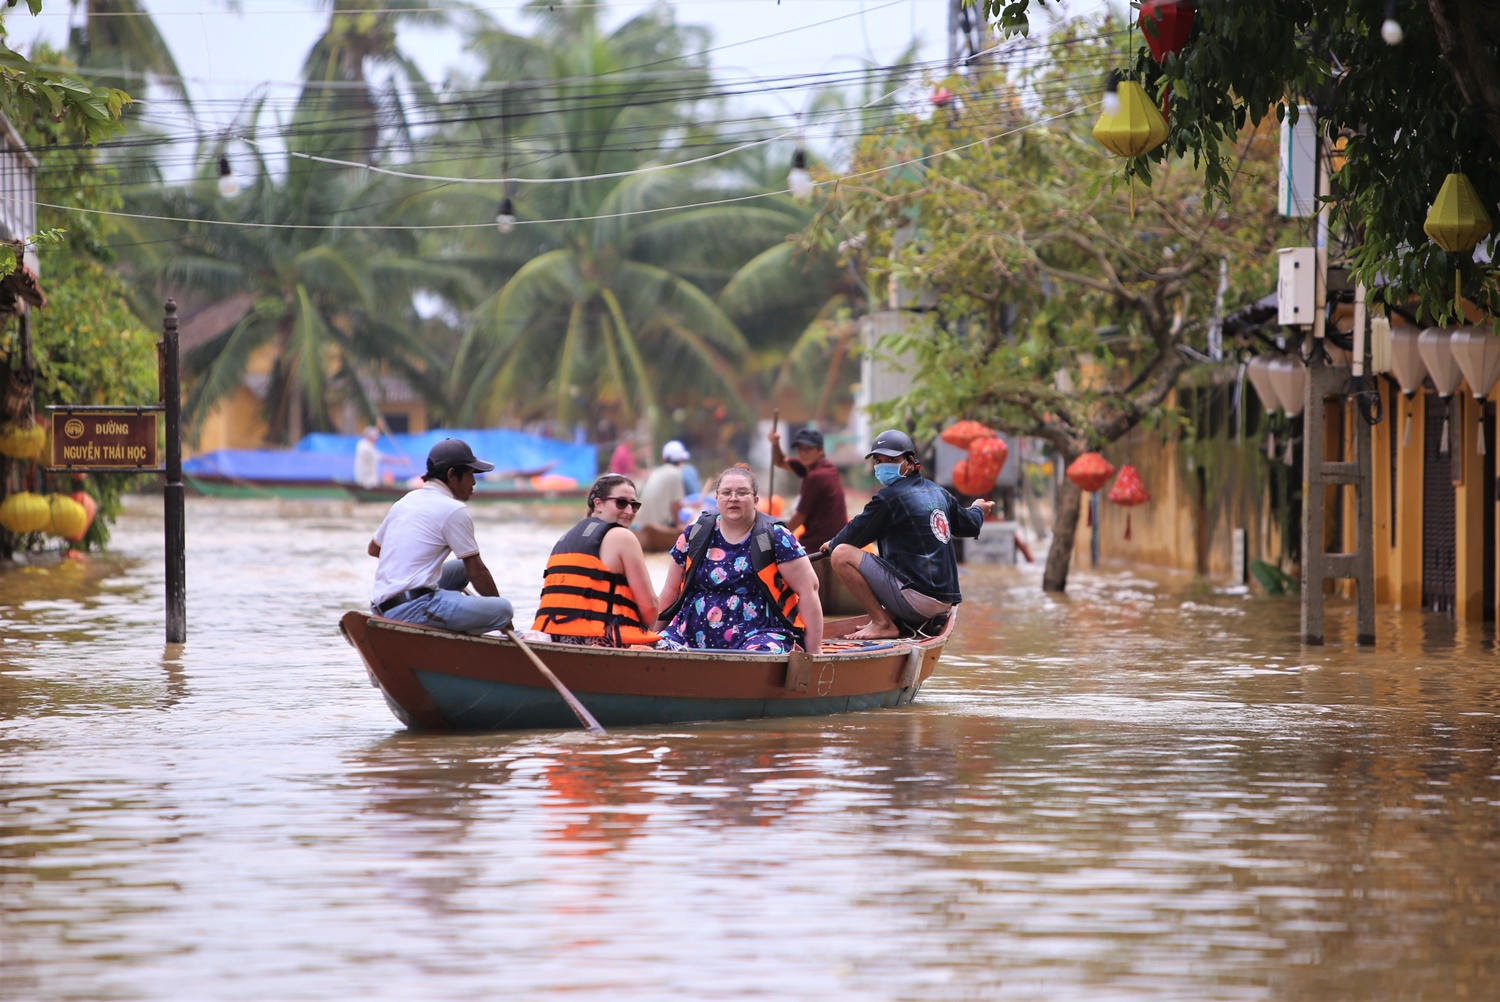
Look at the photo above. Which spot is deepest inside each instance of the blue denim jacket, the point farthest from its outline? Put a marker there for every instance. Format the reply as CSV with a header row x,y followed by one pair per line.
x,y
913,522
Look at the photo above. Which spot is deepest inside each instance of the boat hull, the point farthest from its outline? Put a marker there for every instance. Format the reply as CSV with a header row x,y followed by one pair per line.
x,y
436,680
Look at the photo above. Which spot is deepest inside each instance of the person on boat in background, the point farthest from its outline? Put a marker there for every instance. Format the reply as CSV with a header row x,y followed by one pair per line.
x,y
413,583
912,584
367,459
622,460
596,589
821,508
661,497
740,581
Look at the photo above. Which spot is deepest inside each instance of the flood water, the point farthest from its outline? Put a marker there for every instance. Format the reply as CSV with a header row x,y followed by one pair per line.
x,y
1145,789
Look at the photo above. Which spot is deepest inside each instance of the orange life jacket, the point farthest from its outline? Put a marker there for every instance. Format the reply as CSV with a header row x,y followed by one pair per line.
x,y
780,596
582,597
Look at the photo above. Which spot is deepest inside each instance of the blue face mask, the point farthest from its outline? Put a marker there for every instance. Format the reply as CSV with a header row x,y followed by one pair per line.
x,y
888,473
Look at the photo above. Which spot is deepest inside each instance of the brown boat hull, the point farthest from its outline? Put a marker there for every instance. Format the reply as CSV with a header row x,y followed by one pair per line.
x,y
436,680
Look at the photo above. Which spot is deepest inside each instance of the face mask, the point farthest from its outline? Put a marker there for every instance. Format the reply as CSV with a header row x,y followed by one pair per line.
x,y
888,473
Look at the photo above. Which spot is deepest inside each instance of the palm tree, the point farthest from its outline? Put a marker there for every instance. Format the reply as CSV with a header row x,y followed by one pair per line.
x,y
117,44
604,303
331,306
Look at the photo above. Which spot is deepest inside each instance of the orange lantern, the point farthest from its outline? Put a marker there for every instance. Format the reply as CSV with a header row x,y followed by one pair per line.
x,y
1090,471
1129,490
90,509
964,433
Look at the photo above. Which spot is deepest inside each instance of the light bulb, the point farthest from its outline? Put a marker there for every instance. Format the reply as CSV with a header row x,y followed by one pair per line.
x,y
1391,31
228,186
1112,93
506,220
797,179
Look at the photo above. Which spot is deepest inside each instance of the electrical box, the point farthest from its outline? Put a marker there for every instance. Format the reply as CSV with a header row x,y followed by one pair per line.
x,y
1295,288
1297,192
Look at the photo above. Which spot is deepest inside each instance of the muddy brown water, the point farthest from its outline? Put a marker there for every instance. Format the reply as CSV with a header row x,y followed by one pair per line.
x,y
1145,789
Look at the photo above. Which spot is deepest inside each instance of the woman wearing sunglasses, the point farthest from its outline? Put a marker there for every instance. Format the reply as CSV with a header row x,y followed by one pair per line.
x,y
596,589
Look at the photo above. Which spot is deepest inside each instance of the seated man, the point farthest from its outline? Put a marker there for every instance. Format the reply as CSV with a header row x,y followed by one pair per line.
x,y
913,521
412,582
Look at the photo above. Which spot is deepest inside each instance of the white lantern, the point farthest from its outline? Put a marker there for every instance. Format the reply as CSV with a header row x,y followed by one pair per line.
x,y
1478,356
1435,345
1258,371
1289,380
1408,368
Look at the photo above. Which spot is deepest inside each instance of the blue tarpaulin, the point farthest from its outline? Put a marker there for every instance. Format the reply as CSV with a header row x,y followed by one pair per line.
x,y
323,457
509,450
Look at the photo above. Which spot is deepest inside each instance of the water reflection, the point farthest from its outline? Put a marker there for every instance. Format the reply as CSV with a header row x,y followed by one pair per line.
x,y
1141,790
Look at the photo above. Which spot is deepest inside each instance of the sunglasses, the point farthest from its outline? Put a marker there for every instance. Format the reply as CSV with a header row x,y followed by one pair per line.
x,y
623,503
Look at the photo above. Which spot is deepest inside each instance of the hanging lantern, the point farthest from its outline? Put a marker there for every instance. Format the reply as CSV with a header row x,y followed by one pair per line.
x,y
962,433
1457,221
1258,370
25,512
1289,381
1135,129
1435,345
1128,491
1409,369
23,441
987,456
1166,25
1090,471
970,481
90,508
1478,356
67,517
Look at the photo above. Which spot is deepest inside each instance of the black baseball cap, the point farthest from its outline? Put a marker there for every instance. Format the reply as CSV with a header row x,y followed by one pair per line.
x,y
451,453
808,436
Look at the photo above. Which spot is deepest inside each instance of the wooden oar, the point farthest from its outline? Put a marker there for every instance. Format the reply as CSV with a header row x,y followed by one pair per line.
x,y
584,716
771,480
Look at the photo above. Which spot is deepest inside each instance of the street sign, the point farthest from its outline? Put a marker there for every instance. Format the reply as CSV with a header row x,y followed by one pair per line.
x,y
103,439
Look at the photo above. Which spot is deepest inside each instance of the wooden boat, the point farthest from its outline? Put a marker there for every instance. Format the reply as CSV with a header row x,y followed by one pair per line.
x,y
436,680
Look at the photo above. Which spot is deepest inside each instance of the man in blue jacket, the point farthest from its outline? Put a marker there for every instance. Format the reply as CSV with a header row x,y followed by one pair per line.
x,y
913,584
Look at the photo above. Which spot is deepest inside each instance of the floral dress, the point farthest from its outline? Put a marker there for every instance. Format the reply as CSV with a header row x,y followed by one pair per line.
x,y
726,607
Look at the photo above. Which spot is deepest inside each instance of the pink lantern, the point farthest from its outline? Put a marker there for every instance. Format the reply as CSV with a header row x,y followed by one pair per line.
x,y
1289,380
1258,371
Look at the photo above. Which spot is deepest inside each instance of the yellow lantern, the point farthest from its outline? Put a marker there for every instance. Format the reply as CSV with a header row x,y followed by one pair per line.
x,y
25,512
1136,128
1457,221
22,441
68,517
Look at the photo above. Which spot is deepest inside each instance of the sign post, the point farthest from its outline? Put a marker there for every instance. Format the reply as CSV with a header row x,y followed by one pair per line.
x,y
107,438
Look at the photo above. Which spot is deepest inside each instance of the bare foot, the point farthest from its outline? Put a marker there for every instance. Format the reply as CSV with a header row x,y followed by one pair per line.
x,y
875,631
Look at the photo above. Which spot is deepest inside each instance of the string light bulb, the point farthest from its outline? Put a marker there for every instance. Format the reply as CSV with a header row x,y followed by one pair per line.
x,y
228,185
505,220
1390,29
798,180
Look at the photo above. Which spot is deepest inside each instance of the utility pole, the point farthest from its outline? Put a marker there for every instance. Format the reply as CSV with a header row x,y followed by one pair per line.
x,y
966,34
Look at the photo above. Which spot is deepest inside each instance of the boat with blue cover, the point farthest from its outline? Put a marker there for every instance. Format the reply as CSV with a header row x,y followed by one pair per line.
x,y
440,681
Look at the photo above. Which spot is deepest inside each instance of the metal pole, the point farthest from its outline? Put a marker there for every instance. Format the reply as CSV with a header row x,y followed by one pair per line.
x,y
175,516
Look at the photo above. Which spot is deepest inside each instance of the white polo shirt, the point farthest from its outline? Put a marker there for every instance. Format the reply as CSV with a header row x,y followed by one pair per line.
x,y
416,537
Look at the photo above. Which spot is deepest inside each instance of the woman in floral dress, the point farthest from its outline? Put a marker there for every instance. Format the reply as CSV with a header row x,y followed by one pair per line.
x,y
726,607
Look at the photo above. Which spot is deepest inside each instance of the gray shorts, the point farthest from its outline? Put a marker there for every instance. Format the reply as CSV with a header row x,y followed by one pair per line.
x,y
906,605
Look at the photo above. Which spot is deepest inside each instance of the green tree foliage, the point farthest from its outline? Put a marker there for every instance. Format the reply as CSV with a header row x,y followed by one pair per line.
x,y
29,92
1062,312
1410,113
89,346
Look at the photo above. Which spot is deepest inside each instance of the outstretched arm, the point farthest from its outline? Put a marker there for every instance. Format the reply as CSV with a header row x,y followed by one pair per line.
x,y
804,581
479,576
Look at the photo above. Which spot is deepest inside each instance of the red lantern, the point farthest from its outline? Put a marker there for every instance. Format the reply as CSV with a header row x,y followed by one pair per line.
x,y
971,481
988,455
965,432
90,508
1090,471
1129,491
1166,25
